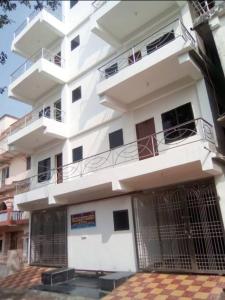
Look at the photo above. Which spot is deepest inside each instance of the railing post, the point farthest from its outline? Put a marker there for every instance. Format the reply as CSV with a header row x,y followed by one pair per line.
x,y
133,54
153,145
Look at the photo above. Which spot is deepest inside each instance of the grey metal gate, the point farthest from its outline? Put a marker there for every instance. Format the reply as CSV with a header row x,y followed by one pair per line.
x,y
48,246
180,229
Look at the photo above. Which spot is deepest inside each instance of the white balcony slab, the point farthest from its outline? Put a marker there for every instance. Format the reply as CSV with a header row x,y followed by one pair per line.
x,y
42,76
43,25
170,63
110,18
36,134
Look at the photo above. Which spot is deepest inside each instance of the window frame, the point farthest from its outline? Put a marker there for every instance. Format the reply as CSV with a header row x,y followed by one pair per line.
x,y
76,40
79,95
111,70
73,154
176,136
44,175
73,3
111,136
28,163
5,174
117,223
1,245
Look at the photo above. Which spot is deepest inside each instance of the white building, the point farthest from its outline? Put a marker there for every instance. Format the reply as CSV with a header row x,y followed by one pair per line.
x,y
126,154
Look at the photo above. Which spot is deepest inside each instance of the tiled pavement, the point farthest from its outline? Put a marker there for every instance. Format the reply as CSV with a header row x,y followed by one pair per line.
x,y
142,286
26,278
146,286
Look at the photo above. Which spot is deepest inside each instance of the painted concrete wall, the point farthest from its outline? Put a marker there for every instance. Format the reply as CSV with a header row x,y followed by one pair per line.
x,y
100,247
5,122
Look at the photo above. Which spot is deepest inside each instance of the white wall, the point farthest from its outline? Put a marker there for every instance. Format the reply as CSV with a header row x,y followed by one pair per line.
x,y
100,247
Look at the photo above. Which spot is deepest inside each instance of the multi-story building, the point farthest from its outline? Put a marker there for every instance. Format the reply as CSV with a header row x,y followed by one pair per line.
x,y
126,153
13,222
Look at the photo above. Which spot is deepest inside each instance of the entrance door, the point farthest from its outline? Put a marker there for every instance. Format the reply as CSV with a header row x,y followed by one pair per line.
x,y
49,238
180,229
146,139
59,162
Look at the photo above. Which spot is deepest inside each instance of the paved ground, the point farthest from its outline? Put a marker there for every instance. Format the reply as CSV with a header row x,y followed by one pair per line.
x,y
26,278
143,286
147,286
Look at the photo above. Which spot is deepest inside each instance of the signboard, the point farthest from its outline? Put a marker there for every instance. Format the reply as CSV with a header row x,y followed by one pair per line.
x,y
83,220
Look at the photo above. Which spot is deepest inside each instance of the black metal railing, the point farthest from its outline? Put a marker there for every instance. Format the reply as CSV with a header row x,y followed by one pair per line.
x,y
155,41
149,146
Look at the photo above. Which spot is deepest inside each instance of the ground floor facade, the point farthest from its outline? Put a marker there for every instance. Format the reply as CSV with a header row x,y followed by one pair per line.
x,y
177,228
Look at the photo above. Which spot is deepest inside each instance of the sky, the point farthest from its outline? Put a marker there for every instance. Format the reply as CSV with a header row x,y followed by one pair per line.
x,y
7,105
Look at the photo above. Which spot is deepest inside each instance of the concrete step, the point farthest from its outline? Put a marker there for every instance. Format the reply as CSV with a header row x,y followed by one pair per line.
x,y
111,281
57,276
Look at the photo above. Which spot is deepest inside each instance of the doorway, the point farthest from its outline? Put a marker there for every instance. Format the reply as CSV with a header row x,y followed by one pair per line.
x,y
180,229
146,139
59,169
48,245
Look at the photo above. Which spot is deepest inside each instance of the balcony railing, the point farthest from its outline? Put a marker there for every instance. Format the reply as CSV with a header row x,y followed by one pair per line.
x,y
149,45
206,8
12,217
44,111
55,13
150,146
42,53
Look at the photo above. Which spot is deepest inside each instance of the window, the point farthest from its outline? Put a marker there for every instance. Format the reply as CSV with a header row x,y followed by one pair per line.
x,y
13,240
5,174
75,43
163,40
44,170
121,220
76,94
58,111
77,154
57,59
134,57
116,139
46,112
28,162
73,3
175,118
113,69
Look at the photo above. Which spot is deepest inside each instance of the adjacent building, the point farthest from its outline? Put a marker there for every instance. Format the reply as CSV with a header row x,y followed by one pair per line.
x,y
127,165
13,222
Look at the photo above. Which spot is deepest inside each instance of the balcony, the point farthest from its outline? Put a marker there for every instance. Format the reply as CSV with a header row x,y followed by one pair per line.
x,y
154,63
109,17
6,152
38,75
46,24
12,218
204,10
39,127
179,154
